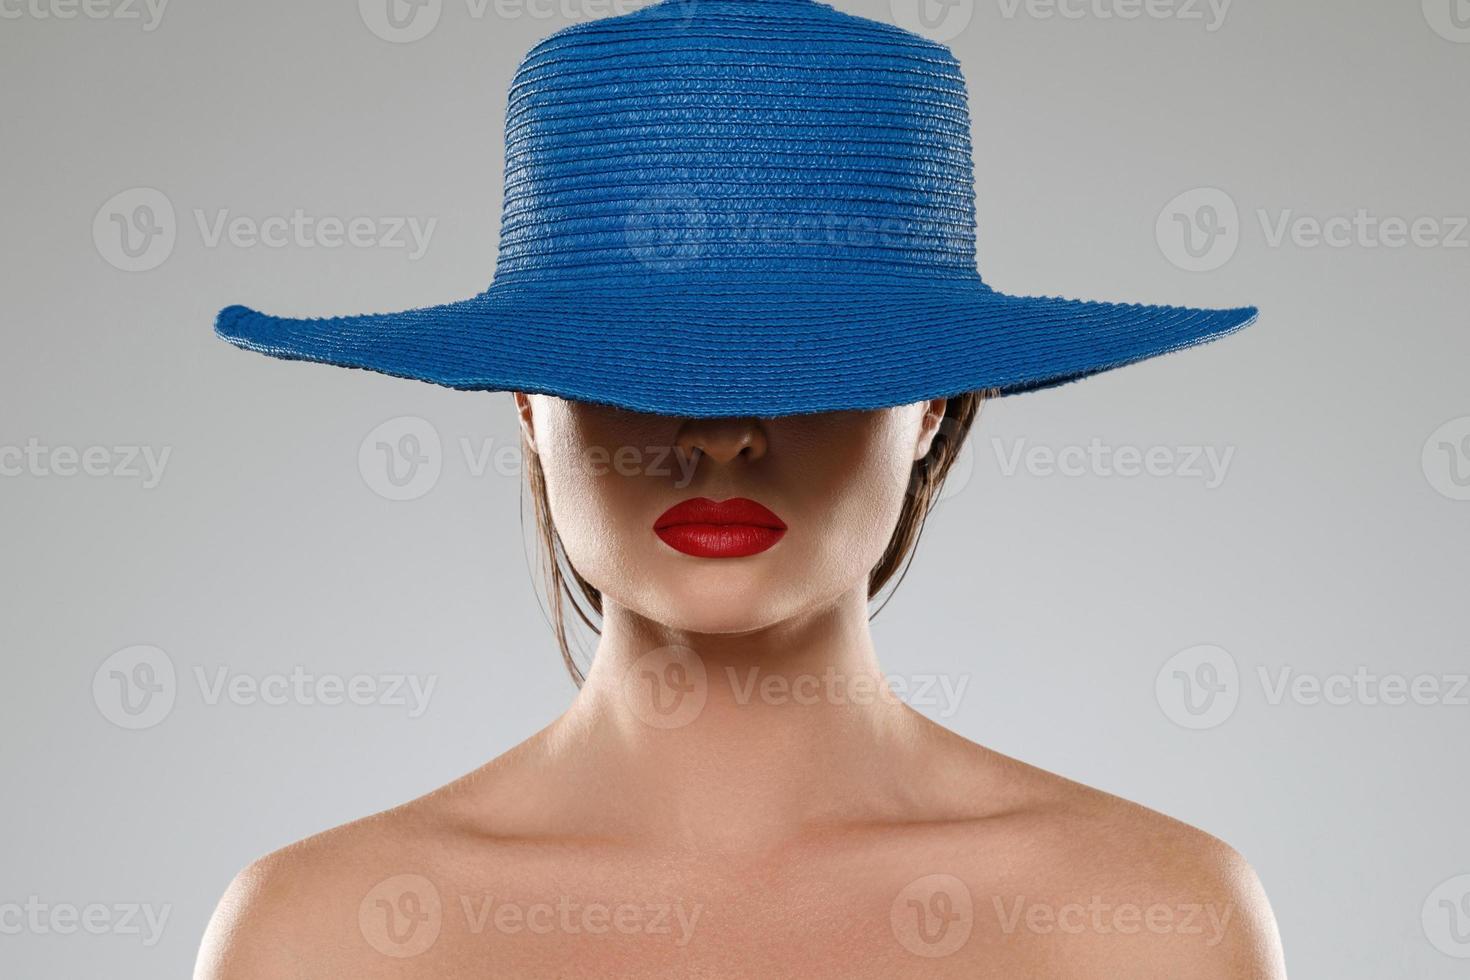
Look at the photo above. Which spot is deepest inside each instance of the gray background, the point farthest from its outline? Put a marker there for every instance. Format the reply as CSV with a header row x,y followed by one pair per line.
x,y
1058,599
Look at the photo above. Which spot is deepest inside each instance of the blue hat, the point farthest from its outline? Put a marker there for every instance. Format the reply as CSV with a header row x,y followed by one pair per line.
x,y
736,208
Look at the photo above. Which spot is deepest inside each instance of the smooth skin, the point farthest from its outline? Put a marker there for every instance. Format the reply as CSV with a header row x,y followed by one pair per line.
x,y
731,794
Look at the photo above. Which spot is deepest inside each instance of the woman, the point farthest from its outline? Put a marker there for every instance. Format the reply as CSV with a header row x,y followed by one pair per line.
x,y
737,304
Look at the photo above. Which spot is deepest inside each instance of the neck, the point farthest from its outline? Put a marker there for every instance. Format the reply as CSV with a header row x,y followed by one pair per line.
x,y
741,739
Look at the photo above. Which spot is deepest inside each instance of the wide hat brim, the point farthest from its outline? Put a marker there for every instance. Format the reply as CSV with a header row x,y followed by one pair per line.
x,y
745,347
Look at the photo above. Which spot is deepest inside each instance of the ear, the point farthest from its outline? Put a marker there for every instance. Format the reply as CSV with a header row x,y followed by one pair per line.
x,y
933,415
523,415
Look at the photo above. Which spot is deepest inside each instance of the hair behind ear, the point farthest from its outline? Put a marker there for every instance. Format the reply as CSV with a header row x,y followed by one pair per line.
x,y
553,558
925,481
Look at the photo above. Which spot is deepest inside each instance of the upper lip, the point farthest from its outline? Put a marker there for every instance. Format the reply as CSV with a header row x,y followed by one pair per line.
x,y
703,510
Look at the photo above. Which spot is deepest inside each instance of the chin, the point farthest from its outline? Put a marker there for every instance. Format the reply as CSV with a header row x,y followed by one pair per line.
x,y
723,600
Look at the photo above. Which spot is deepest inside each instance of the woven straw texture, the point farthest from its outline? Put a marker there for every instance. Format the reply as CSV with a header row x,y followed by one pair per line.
x,y
739,207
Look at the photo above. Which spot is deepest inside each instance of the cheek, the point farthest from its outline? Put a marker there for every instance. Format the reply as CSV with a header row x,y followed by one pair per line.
x,y
851,489
866,505
597,499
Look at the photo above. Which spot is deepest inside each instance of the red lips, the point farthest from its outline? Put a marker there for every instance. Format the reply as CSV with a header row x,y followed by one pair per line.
x,y
707,528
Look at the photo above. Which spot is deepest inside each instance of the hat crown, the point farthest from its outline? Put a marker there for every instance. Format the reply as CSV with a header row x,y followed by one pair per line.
x,y
737,137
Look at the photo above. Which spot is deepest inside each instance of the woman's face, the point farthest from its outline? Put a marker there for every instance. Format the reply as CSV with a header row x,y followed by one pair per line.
x,y
836,480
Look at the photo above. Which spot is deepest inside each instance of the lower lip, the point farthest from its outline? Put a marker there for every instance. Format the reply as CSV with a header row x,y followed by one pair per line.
x,y
719,540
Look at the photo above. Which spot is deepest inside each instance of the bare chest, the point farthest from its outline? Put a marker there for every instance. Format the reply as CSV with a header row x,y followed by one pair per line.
x,y
852,922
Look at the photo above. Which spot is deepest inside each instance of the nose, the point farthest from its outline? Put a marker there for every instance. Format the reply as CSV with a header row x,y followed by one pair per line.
x,y
722,439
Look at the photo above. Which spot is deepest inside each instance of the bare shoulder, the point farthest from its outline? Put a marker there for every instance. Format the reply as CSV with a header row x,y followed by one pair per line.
x,y
366,898
345,901
296,912
1102,883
